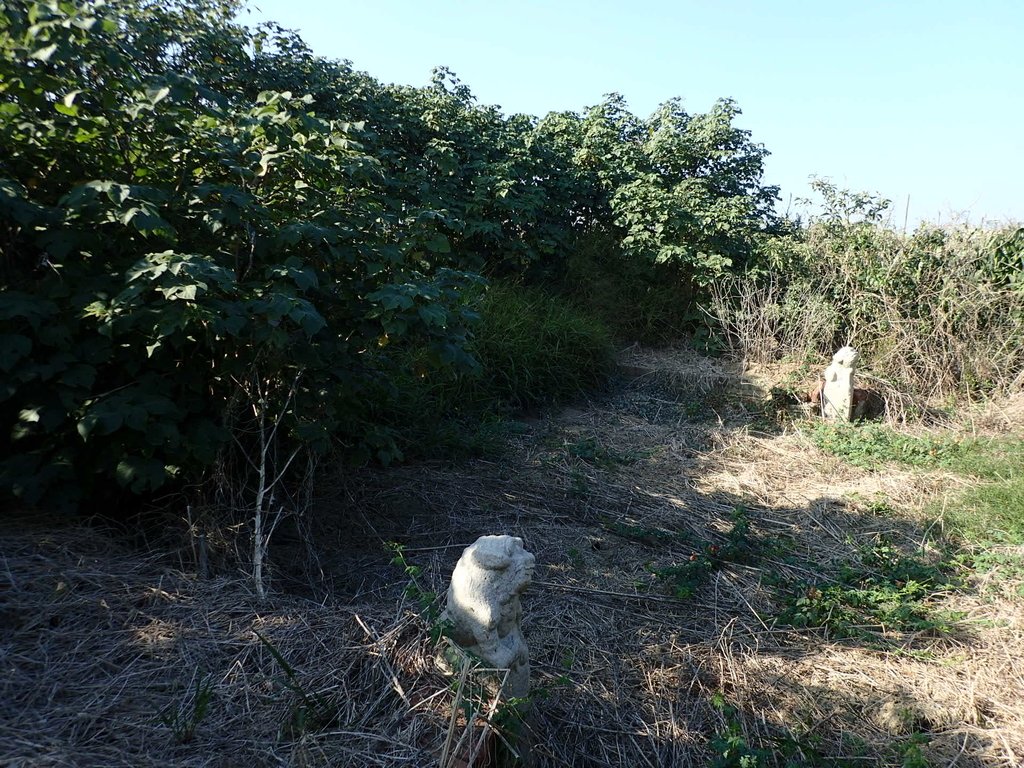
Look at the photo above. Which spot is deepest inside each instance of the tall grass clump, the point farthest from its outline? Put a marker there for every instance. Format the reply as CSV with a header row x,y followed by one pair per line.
x,y
532,348
638,299
938,313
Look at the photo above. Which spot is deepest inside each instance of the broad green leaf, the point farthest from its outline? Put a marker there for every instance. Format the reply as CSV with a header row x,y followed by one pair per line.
x,y
433,316
141,474
13,347
157,94
44,54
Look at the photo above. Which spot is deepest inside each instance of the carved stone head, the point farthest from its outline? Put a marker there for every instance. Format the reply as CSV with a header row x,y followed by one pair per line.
x,y
487,582
846,357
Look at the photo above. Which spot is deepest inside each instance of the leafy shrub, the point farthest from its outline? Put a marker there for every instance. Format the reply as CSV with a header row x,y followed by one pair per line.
x,y
532,348
205,228
937,313
637,298
177,244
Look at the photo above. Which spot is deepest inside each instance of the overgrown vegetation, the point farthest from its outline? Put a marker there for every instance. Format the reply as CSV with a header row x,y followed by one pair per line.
x,y
201,223
937,313
882,590
738,547
224,258
889,589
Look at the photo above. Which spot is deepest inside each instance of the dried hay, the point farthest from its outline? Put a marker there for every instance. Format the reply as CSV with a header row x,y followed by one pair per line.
x,y
98,641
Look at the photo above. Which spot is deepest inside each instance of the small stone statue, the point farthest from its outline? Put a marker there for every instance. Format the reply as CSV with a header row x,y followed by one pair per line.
x,y
483,608
837,389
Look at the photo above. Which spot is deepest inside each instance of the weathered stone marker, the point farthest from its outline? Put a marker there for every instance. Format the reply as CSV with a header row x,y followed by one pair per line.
x,y
837,391
484,611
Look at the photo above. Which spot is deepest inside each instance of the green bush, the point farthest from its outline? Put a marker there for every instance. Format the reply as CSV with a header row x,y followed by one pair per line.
x,y
175,256
533,348
936,313
638,299
210,237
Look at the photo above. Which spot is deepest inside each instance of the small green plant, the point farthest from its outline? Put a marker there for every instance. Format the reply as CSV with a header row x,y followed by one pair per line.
x,y
493,723
684,578
870,445
729,744
782,746
427,599
312,711
883,589
184,719
911,753
1007,564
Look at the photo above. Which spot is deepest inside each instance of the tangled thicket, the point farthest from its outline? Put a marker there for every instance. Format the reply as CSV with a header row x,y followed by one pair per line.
x,y
204,225
188,206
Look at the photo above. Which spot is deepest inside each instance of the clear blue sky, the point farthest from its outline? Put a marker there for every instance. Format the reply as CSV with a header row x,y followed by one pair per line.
x,y
918,98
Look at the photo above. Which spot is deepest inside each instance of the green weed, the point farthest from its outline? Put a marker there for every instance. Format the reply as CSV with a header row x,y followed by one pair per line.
x,y
536,348
992,513
729,744
428,600
684,579
532,348
637,298
312,711
184,719
881,590
1007,565
910,752
871,445
576,558
732,750
579,485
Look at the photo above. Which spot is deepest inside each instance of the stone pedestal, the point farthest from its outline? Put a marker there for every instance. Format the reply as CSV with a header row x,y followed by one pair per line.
x,y
484,611
837,390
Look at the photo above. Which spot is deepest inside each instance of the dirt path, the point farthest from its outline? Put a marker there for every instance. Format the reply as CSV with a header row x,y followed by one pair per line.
x,y
676,523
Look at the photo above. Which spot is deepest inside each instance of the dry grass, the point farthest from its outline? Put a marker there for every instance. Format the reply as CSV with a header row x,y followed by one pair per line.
x,y
937,320
98,641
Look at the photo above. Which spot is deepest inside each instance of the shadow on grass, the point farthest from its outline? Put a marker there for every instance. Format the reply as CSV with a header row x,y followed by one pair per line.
x,y
682,613
673,623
